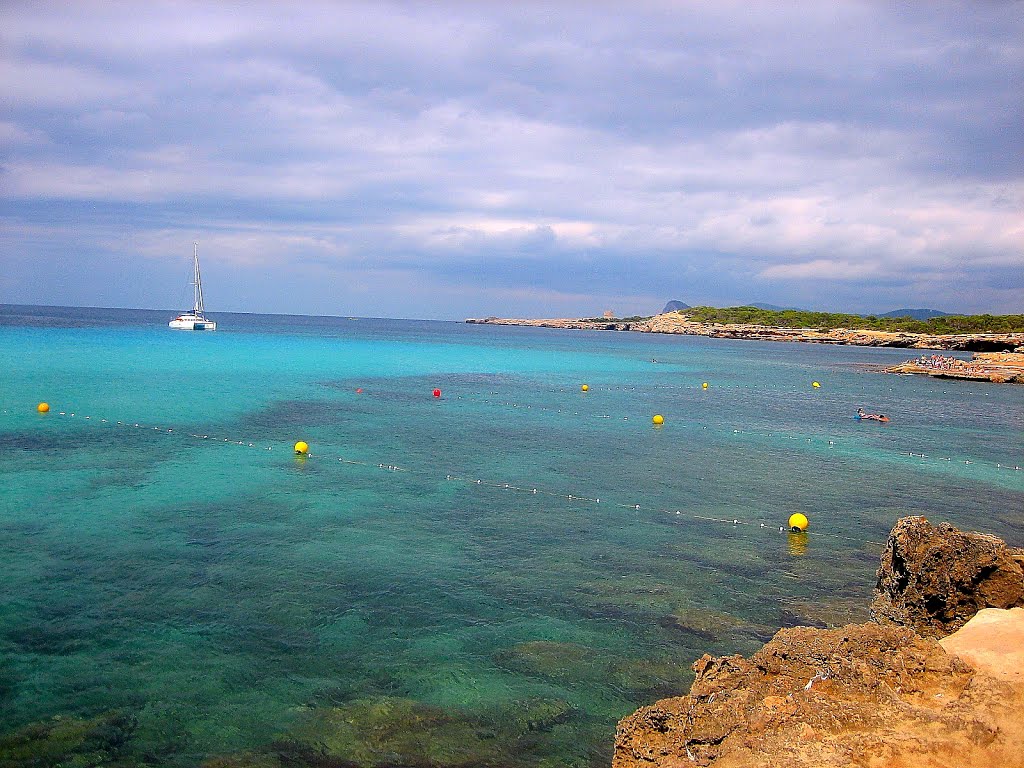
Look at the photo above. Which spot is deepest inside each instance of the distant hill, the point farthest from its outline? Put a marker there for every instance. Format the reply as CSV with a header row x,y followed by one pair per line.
x,y
674,306
917,314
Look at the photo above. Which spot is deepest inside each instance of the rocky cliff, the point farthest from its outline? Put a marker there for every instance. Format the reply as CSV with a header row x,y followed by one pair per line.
x,y
673,322
866,694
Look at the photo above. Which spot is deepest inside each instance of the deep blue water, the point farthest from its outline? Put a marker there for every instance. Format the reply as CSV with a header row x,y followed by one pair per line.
x,y
166,555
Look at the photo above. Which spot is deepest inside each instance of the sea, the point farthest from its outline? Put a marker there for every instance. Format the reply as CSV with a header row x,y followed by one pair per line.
x,y
492,576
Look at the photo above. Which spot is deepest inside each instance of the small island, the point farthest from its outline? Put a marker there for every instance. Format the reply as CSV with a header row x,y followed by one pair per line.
x,y
973,333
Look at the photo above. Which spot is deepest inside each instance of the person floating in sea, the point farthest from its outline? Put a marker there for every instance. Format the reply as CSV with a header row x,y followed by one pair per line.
x,y
861,415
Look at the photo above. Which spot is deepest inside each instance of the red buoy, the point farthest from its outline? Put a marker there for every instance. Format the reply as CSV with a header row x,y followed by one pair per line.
x,y
437,393
359,391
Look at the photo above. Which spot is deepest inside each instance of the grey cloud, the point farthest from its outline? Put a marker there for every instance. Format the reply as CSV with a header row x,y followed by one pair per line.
x,y
731,146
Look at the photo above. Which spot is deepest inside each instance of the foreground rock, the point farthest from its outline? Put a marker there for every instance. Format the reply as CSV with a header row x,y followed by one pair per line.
x,y
992,642
872,694
934,578
862,695
674,322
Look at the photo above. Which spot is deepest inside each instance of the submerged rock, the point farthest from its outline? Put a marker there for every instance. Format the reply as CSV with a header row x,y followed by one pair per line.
x,y
390,731
568,663
708,624
647,678
248,759
70,742
825,613
551,660
935,578
540,714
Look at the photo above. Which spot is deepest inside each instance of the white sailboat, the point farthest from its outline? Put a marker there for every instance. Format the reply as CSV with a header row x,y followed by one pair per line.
x,y
195,320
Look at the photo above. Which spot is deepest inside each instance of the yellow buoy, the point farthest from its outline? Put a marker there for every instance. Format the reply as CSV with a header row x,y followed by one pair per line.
x,y
658,419
815,384
301,447
704,385
798,521
43,407
585,388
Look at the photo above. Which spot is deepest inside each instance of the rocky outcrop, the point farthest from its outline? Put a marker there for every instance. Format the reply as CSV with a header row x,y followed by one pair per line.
x,y
997,367
872,694
936,578
676,323
863,695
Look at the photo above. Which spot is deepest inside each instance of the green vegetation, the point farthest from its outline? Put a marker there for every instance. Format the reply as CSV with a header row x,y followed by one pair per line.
x,y
792,318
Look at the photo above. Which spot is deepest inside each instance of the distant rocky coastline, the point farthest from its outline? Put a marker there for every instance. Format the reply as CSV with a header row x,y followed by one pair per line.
x,y
998,367
936,679
674,322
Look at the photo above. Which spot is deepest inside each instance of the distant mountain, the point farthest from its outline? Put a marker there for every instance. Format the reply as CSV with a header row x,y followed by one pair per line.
x,y
674,306
917,314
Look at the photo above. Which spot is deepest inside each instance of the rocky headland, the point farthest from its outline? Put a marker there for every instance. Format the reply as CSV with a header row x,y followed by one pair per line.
x,y
935,679
678,323
998,367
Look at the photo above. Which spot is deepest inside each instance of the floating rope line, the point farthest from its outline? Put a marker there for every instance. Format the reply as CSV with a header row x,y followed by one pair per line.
x,y
831,442
480,482
759,524
505,486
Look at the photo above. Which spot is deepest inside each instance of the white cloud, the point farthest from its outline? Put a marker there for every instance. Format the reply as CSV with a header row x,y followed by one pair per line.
x,y
34,84
795,144
12,134
820,269
242,245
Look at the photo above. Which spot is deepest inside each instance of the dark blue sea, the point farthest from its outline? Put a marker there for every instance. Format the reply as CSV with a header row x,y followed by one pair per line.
x,y
494,576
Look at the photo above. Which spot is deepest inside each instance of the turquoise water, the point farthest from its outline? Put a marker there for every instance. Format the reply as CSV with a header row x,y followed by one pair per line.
x,y
166,556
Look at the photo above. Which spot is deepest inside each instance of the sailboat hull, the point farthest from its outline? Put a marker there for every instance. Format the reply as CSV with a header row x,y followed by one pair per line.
x,y
192,323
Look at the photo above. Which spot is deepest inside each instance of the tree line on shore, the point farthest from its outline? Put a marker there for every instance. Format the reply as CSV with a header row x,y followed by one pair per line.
x,y
797,318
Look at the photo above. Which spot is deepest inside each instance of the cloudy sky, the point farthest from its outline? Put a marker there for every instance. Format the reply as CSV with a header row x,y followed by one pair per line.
x,y
456,159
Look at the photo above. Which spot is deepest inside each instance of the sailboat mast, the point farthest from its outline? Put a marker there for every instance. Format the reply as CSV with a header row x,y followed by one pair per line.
x,y
198,285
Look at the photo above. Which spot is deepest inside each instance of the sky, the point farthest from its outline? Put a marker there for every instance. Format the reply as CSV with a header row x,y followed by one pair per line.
x,y
444,160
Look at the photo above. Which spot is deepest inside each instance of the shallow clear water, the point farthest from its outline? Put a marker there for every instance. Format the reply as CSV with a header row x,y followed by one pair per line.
x,y
166,554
